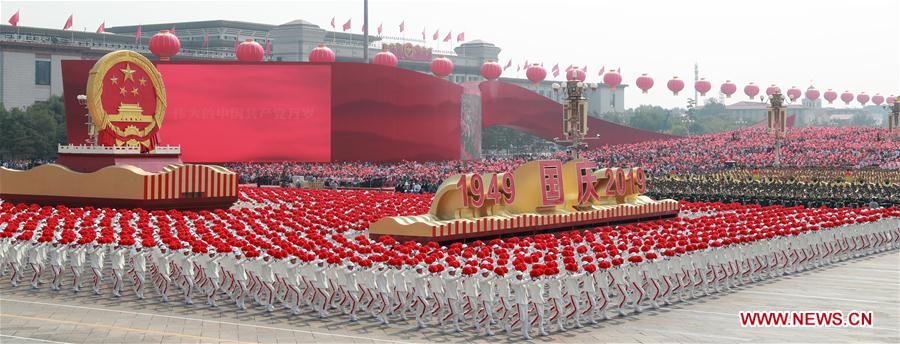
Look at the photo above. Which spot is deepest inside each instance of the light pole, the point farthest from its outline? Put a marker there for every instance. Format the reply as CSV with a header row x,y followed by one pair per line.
x,y
575,114
894,115
777,120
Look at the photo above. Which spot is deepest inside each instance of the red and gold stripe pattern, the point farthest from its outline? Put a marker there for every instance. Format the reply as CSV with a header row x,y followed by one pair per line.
x,y
190,181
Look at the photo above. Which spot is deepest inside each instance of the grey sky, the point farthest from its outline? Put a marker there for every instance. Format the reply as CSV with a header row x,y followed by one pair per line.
x,y
830,44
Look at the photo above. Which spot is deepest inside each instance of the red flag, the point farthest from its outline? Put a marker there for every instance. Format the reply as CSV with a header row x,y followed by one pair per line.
x,y
402,26
447,37
585,69
508,64
347,25
423,33
14,20
137,35
461,37
555,70
518,68
435,36
619,70
68,23
526,64
602,69
332,23
102,28
379,28
205,38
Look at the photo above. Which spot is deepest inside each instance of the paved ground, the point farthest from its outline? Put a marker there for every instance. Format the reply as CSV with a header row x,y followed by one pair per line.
x,y
869,284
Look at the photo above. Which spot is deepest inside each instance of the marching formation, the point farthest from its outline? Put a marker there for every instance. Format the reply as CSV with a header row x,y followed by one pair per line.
x,y
549,282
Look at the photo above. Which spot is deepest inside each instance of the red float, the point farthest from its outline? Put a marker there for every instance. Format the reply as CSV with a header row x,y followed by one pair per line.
x,y
751,90
644,82
385,58
321,54
491,70
165,45
535,73
249,51
702,86
441,67
728,88
675,85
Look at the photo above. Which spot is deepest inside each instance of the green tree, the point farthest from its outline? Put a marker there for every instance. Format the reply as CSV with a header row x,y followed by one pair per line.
x,y
33,133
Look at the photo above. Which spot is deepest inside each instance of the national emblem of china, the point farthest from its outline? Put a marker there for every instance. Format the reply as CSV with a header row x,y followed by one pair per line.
x,y
126,100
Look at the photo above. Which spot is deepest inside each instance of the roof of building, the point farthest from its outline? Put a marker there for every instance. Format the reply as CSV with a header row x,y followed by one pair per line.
x,y
193,25
749,105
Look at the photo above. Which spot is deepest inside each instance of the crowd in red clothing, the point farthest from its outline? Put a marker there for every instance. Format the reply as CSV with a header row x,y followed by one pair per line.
x,y
751,147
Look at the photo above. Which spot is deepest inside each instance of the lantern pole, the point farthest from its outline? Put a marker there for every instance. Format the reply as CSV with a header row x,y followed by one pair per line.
x,y
575,114
777,118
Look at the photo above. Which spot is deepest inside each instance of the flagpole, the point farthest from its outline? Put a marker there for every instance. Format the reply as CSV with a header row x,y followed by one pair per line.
x,y
366,31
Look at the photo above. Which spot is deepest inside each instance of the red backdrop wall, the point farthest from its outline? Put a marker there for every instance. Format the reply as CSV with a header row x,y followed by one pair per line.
x,y
388,114
230,111
519,108
238,112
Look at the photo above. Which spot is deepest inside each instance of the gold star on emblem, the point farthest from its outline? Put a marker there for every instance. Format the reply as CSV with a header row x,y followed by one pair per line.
x,y
129,73
134,91
122,90
143,81
114,79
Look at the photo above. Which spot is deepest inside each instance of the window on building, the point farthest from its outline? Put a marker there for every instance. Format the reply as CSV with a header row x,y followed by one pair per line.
x,y
42,72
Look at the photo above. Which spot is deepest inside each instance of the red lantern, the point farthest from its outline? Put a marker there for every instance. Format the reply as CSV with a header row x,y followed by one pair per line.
x,y
675,85
249,51
702,86
812,93
877,99
847,97
575,74
793,93
612,79
890,99
862,98
491,70
644,82
385,58
728,88
441,67
751,90
772,90
830,96
165,45
535,73
321,54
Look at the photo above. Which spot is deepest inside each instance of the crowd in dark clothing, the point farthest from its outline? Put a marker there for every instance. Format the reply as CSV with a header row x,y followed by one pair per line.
x,y
770,191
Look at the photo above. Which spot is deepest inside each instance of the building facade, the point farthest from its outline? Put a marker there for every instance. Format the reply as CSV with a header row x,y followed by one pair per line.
x,y
30,57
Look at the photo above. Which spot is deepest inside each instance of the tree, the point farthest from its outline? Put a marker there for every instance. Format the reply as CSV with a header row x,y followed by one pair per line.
x,y
33,133
862,120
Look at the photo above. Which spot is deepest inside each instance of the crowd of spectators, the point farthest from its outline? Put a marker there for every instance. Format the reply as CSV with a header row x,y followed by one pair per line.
x,y
834,149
